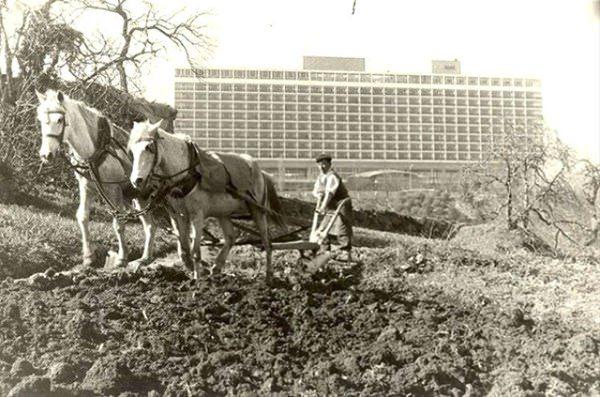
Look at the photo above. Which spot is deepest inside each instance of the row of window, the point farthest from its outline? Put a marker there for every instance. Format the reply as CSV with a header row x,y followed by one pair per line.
x,y
304,112
377,114
361,146
306,140
355,77
422,123
251,99
449,134
363,91
360,155
354,134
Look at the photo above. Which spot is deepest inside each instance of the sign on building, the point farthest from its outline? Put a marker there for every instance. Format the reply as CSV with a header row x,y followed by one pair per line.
x,y
445,67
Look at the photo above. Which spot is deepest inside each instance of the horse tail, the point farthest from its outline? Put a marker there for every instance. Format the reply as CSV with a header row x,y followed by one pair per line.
x,y
272,202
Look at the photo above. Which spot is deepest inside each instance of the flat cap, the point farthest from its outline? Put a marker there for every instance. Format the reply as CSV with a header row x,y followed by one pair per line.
x,y
323,156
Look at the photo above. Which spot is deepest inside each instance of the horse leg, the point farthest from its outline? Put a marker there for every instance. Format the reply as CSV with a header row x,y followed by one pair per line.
x,y
149,233
119,228
118,225
83,219
262,224
198,226
182,228
229,235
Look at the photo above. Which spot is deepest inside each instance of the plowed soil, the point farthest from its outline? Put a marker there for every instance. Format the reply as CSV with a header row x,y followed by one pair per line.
x,y
345,329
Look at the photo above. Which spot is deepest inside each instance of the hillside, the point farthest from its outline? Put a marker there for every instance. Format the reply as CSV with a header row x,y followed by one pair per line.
x,y
411,316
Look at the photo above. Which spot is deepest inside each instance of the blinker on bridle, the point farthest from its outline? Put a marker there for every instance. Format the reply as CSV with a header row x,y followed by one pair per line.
x,y
59,137
154,146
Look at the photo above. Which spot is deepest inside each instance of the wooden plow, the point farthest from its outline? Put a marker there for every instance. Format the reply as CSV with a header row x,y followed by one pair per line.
x,y
289,240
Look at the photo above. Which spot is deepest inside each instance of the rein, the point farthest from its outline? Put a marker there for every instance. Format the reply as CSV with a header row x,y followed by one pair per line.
x,y
166,178
164,187
89,168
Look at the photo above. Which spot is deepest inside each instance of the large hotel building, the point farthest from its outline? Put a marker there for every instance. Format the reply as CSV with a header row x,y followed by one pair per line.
x,y
428,125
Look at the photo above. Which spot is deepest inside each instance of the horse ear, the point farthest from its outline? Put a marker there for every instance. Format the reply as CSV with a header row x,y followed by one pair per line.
x,y
156,126
60,96
41,97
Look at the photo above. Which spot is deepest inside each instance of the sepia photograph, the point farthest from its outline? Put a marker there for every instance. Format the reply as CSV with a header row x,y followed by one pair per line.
x,y
299,198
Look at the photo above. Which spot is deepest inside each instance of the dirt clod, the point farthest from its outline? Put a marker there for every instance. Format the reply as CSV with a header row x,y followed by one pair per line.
x,y
363,328
31,386
111,375
21,368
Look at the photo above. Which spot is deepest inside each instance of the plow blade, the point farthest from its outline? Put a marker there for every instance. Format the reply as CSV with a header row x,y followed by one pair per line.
x,y
295,245
314,261
319,260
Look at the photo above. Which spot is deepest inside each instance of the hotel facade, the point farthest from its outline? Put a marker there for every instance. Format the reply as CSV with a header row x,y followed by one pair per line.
x,y
428,125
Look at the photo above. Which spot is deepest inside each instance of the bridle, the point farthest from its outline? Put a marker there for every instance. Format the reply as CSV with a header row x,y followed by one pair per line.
x,y
88,168
166,181
154,145
59,137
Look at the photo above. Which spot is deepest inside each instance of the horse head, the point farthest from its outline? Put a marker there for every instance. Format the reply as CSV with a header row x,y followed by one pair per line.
x,y
51,115
142,146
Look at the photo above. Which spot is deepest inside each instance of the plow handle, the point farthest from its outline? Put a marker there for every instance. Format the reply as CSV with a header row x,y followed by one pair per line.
x,y
315,221
319,237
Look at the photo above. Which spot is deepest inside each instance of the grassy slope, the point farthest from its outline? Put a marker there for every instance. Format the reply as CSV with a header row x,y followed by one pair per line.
x,y
547,291
32,240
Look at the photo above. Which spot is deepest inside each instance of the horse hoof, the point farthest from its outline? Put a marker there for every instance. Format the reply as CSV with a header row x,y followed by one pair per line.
x,y
136,264
215,270
90,258
88,261
120,262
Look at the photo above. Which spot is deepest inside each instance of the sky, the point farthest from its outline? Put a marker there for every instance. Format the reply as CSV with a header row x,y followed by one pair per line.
x,y
557,41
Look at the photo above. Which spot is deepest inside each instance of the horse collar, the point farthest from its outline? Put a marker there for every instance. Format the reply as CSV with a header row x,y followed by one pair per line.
x,y
103,140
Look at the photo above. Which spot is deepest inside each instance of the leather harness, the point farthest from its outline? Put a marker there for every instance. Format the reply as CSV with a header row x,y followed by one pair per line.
x,y
182,187
89,168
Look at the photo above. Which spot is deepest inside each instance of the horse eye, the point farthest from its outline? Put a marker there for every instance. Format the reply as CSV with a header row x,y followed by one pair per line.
x,y
150,148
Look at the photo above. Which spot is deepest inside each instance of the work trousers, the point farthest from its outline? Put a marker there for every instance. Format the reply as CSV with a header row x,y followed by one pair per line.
x,y
342,226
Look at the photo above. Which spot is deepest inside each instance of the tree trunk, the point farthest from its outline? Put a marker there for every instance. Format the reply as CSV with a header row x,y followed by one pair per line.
x,y
509,198
122,77
526,198
7,89
1,49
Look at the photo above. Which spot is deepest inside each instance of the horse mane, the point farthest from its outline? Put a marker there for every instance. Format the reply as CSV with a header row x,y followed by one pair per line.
x,y
145,133
182,136
80,105
89,115
178,135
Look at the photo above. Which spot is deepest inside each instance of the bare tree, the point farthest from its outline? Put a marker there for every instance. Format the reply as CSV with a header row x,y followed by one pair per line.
x,y
530,164
46,42
144,34
592,183
40,47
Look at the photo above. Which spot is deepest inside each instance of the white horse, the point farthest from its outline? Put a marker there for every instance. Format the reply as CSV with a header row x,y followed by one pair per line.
x,y
97,157
200,184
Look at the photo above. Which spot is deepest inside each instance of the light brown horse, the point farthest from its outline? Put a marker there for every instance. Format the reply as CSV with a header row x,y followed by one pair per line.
x,y
201,184
99,163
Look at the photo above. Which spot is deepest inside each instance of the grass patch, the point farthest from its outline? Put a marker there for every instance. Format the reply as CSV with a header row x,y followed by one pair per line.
x,y
32,240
